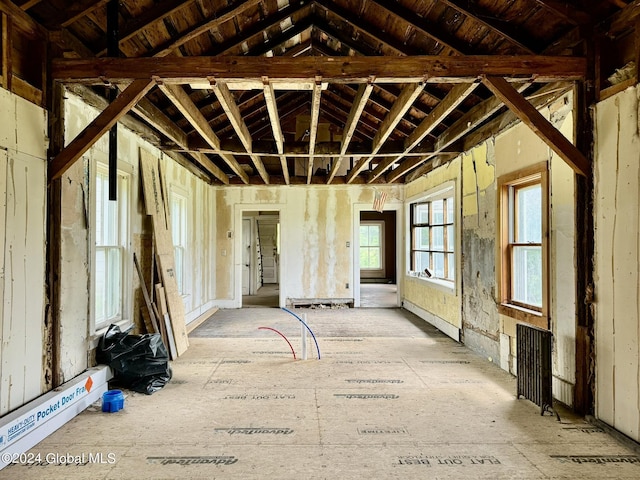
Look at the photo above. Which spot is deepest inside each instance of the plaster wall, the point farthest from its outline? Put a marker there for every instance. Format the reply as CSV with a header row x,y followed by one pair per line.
x,y
316,222
617,262
23,171
77,332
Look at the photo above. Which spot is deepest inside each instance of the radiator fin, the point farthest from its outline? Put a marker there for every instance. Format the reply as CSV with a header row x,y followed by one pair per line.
x,y
534,365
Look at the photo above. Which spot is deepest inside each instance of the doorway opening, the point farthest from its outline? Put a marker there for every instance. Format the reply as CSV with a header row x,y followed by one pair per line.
x,y
377,259
260,259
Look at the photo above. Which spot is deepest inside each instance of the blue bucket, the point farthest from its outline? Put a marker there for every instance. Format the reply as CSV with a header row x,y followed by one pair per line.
x,y
112,401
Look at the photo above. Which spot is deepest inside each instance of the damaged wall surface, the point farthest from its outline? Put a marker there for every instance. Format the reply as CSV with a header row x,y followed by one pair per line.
x,y
617,257
23,171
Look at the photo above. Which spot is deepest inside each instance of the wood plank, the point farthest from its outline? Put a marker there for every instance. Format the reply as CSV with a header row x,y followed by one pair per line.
x,y
566,11
29,4
103,122
488,20
529,115
455,69
22,20
79,9
5,51
357,107
624,20
313,127
211,167
155,203
230,107
454,98
272,109
183,102
145,296
402,104
209,24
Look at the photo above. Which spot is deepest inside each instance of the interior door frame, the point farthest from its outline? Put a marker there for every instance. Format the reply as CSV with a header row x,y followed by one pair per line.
x,y
355,268
239,210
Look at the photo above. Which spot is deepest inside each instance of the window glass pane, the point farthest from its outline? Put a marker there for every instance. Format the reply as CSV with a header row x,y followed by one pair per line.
x,y
450,238
421,213
370,258
450,214
527,275
438,239
529,214
451,267
364,235
374,235
438,265
101,282
438,212
114,287
421,238
420,261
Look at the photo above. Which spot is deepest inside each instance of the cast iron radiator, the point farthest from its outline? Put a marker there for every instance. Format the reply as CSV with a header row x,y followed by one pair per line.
x,y
534,365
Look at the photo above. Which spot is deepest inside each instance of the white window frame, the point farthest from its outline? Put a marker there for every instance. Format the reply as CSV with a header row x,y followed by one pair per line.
x,y
445,190
180,240
125,173
374,272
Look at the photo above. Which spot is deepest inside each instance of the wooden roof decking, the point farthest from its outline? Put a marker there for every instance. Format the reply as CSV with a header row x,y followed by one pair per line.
x,y
239,117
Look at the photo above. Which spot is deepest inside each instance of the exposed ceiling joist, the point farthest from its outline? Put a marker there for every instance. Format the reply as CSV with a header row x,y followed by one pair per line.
x,y
182,102
402,104
100,125
80,9
313,124
359,102
272,109
225,97
435,117
211,167
567,12
485,18
452,69
529,115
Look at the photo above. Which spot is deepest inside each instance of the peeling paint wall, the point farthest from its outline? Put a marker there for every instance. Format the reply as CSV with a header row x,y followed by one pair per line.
x,y
316,224
77,335
479,312
23,170
617,262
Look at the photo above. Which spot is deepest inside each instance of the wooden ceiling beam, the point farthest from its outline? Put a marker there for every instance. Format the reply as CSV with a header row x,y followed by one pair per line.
x,y
454,98
229,105
471,120
183,102
211,167
569,13
211,23
149,17
313,126
80,9
400,107
410,17
358,104
29,4
530,116
98,127
622,21
272,109
454,69
487,19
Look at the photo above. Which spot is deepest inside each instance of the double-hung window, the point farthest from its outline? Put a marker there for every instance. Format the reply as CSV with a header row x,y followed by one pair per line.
x,y
111,235
179,236
523,223
432,224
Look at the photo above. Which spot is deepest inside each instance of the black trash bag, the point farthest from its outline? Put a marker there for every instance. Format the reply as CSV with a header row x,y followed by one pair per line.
x,y
139,362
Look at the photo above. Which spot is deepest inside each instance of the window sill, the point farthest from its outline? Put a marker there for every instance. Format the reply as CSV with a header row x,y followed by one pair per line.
x,y
444,285
524,315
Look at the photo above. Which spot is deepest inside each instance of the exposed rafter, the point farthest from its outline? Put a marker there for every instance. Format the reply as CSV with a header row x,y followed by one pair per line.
x,y
102,123
540,125
272,108
313,124
182,102
359,102
567,12
225,97
400,107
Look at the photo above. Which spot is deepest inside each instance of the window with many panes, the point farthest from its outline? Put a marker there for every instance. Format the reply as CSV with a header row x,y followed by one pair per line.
x,y
179,235
111,233
523,223
372,248
432,221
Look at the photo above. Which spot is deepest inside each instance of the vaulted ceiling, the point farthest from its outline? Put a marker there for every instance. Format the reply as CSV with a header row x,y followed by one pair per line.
x,y
323,91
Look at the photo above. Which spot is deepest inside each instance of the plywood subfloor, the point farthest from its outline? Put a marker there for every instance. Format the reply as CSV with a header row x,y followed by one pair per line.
x,y
410,405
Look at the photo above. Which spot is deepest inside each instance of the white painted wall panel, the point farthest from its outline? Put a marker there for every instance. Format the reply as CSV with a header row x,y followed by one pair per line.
x,y
617,179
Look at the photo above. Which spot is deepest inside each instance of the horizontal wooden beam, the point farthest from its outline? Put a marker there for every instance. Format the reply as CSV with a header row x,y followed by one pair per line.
x,y
102,123
457,69
530,116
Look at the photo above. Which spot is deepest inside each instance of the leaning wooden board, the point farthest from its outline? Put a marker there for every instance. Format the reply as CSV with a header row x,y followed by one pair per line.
x,y
155,206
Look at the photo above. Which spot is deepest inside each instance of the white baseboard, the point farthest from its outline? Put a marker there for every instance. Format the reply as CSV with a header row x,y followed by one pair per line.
x,y
442,325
